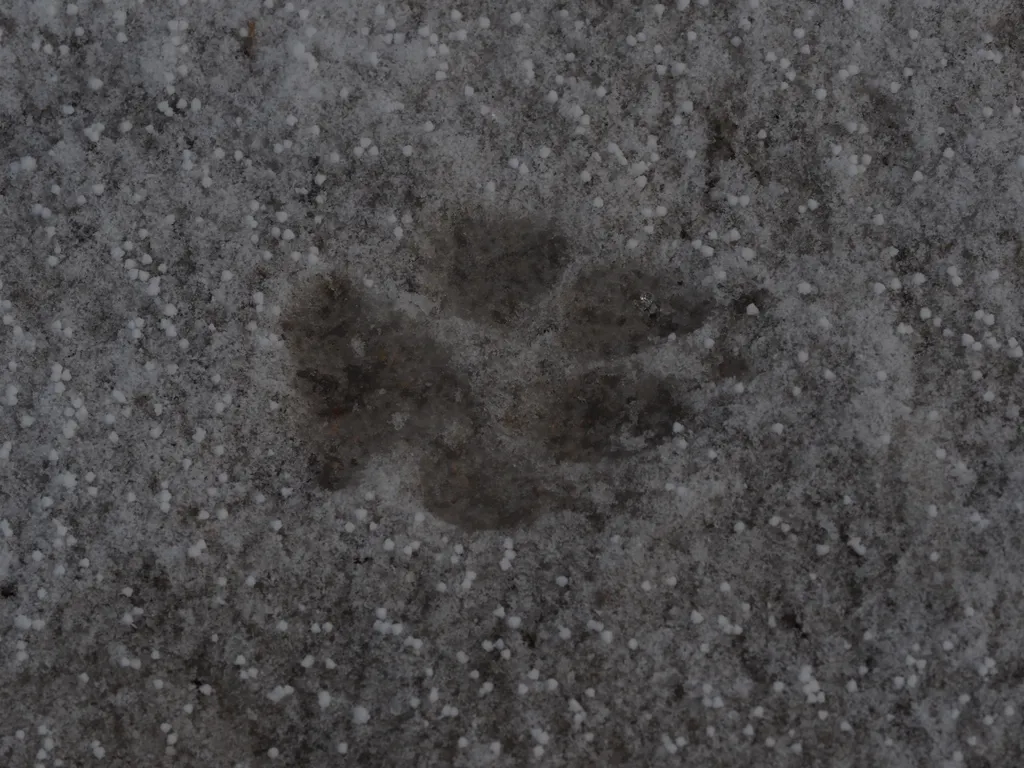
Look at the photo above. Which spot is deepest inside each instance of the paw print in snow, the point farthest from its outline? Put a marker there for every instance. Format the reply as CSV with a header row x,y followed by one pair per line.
x,y
522,384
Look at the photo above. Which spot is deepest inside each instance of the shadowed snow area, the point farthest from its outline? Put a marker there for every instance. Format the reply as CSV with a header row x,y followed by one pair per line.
x,y
584,384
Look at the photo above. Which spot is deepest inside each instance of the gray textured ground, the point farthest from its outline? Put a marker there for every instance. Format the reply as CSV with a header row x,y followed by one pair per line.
x,y
564,385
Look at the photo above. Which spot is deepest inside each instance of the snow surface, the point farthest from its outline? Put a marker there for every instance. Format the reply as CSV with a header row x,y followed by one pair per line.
x,y
495,385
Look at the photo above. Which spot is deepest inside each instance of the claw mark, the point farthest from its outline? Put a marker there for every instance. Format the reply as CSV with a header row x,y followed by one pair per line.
x,y
249,42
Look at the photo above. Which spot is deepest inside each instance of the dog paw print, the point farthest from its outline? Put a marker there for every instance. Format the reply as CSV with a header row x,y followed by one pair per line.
x,y
514,378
